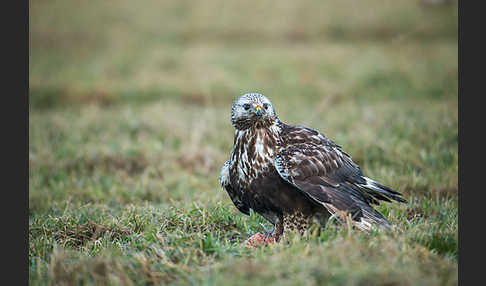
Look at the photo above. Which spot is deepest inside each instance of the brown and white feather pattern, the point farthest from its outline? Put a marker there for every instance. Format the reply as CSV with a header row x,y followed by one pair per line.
x,y
253,153
293,175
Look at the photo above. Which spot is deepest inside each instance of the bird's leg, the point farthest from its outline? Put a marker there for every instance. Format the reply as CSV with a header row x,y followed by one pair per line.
x,y
267,232
276,233
268,235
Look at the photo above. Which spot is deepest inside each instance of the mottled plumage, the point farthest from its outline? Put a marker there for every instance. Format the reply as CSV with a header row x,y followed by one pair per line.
x,y
294,175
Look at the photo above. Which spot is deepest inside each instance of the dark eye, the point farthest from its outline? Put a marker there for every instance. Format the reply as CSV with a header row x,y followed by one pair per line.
x,y
265,105
246,106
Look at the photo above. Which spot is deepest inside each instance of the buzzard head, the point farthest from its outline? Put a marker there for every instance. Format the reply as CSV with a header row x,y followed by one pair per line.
x,y
252,110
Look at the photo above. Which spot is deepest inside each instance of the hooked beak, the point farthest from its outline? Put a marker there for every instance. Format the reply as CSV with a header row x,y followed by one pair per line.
x,y
258,110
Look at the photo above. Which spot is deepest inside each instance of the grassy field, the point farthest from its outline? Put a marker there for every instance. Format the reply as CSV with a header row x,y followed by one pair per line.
x,y
129,125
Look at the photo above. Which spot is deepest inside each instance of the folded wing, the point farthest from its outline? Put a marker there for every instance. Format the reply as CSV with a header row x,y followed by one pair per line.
x,y
235,196
318,167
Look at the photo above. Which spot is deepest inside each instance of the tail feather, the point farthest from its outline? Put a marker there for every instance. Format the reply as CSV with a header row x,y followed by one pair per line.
x,y
363,217
379,191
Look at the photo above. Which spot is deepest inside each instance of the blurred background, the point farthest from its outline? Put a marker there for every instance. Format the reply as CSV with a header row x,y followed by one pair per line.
x,y
108,52
129,125
130,100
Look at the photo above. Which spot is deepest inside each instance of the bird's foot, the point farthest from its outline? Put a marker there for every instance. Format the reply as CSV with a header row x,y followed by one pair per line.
x,y
268,237
271,236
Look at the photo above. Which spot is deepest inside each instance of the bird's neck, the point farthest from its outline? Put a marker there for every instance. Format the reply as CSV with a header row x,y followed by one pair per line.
x,y
252,123
258,130
257,142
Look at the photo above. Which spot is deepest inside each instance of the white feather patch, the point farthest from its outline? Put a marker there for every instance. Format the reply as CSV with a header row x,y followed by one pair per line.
x,y
224,177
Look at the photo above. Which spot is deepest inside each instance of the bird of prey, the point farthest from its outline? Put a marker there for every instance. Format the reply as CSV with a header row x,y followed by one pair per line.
x,y
294,175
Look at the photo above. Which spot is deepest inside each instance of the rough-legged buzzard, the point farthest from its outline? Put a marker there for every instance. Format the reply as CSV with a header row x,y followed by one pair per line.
x,y
294,175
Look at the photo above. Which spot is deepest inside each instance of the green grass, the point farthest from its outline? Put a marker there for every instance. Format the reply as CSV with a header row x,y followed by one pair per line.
x,y
129,126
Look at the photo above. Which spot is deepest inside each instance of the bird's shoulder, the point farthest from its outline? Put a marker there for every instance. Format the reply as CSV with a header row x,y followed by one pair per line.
x,y
306,152
299,134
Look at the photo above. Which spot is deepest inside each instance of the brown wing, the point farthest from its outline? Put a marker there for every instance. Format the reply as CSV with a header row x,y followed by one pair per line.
x,y
318,167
